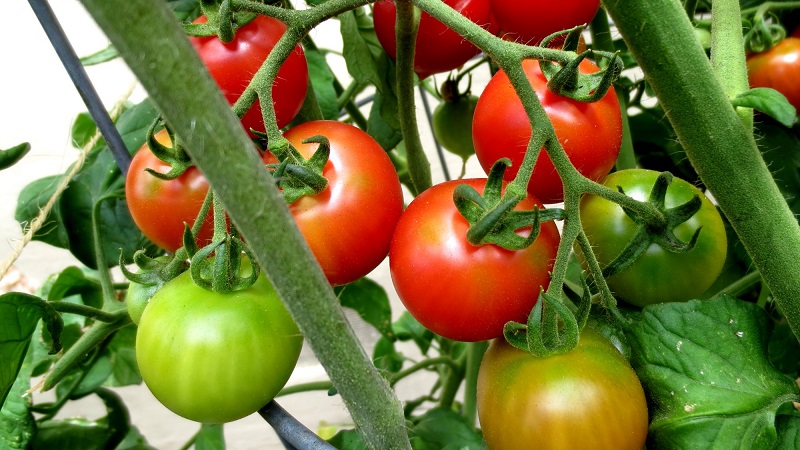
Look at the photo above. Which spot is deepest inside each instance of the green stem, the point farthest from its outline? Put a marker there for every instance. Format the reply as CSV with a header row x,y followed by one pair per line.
x,y
741,285
193,105
88,341
348,94
720,147
475,351
306,387
727,53
85,311
103,274
418,166
452,381
424,364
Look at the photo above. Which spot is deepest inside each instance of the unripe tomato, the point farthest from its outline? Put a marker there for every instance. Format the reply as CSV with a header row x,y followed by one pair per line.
x,y
589,398
452,125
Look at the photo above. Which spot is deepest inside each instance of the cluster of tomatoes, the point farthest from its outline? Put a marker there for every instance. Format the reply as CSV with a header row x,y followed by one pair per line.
x,y
456,289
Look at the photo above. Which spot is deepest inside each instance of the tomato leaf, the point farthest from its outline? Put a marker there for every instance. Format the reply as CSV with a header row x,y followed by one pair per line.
x,y
322,80
770,102
788,432
122,356
31,200
408,328
72,281
367,62
17,424
386,134
705,367
13,155
83,129
370,301
210,437
348,440
107,54
443,428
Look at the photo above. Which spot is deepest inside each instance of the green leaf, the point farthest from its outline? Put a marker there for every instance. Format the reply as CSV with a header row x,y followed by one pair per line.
x,y
322,80
367,62
19,315
788,432
31,200
83,129
348,440
70,434
185,10
17,424
784,349
385,356
770,102
704,365
388,135
370,301
121,353
72,281
408,328
11,156
134,440
107,54
444,429
210,437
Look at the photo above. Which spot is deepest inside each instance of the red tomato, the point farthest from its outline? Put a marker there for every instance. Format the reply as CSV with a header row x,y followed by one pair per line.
x,y
439,49
458,290
591,133
233,64
349,225
778,68
160,207
533,20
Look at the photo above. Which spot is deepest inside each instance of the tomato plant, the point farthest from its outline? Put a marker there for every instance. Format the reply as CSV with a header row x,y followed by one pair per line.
x,y
591,133
587,398
213,357
778,68
137,297
458,290
348,225
233,64
160,208
658,275
439,49
532,21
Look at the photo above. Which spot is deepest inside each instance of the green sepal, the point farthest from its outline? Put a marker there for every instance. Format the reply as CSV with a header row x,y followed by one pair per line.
x,y
175,156
296,176
659,230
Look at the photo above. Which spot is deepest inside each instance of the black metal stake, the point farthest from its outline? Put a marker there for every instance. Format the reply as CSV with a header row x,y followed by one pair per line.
x,y
290,430
82,82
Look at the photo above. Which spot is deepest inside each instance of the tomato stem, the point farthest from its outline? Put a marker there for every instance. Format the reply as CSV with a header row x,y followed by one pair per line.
x,y
727,53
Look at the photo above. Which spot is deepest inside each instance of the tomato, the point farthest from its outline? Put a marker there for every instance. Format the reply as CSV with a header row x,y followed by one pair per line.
x,y
452,125
589,398
533,20
161,207
778,68
439,49
458,290
658,275
212,357
137,297
233,64
349,225
591,133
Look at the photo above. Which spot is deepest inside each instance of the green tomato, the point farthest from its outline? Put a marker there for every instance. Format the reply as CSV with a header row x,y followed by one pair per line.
x,y
137,297
658,275
452,125
213,357
589,398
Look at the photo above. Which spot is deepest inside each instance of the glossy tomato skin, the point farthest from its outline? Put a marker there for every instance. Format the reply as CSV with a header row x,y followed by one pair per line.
x,y
589,398
233,64
212,357
658,275
439,49
778,68
457,290
161,207
530,21
591,133
349,225
136,299
452,125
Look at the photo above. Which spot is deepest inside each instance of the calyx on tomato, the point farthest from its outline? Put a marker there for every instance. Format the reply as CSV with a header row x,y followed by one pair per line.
x,y
656,228
297,176
569,81
491,216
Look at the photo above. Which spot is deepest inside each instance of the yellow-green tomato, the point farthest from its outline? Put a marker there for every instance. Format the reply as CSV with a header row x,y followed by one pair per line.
x,y
137,297
213,357
588,398
658,275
